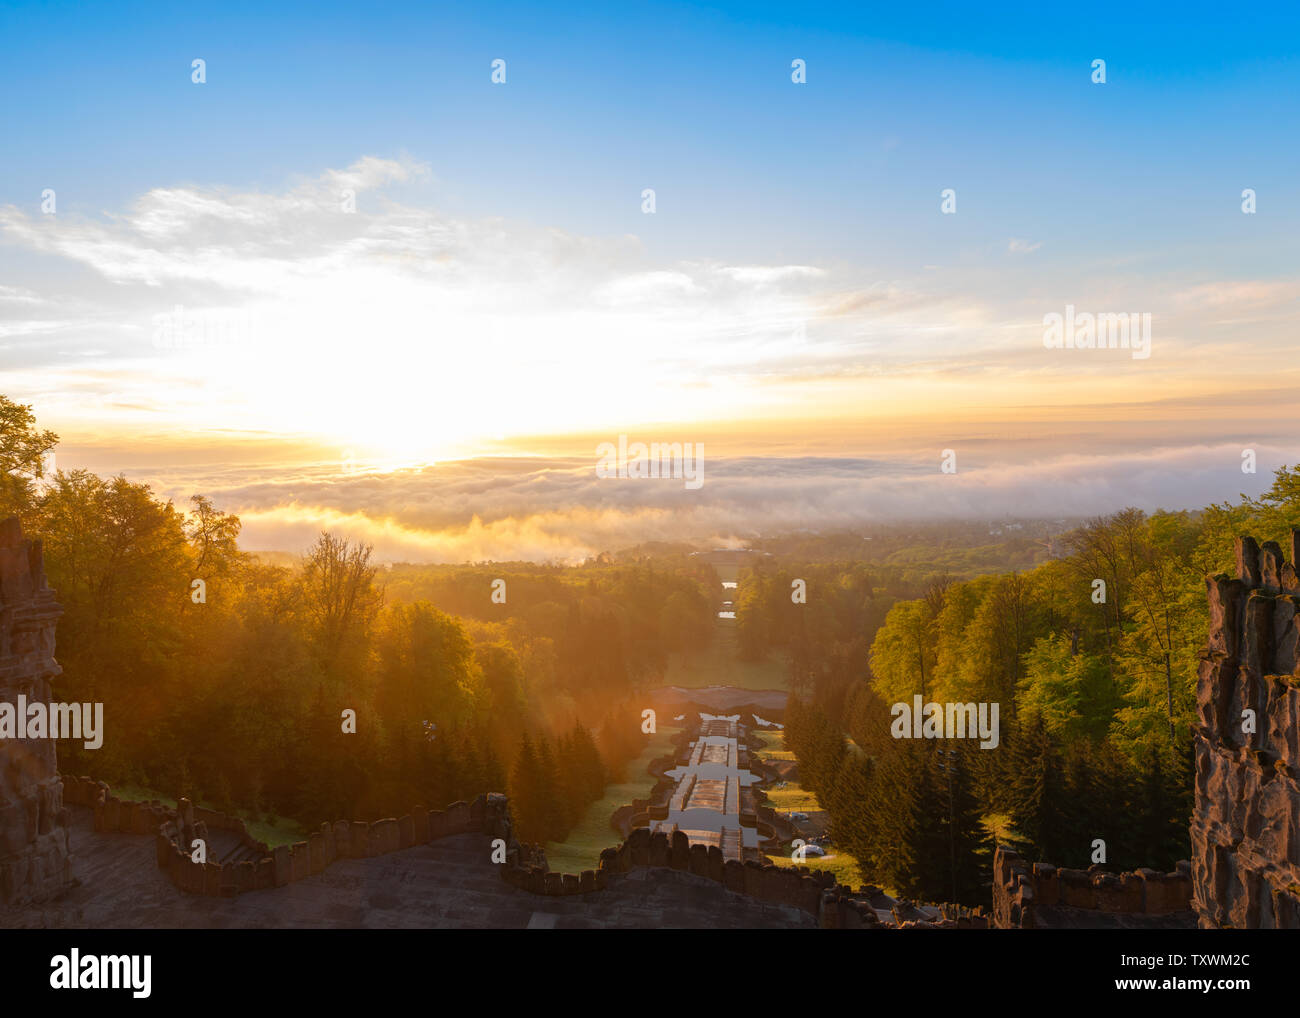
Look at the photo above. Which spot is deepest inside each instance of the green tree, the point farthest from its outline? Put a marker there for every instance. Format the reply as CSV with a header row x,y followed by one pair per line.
x,y
23,448
902,655
341,600
1037,790
962,828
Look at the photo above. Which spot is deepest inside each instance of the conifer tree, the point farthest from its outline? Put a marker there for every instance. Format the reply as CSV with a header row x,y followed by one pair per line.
x,y
494,774
525,802
908,842
964,832
1038,791
848,806
554,811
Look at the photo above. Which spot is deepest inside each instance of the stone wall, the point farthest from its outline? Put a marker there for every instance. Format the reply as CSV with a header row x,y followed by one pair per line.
x,y
815,892
111,814
1019,888
35,857
525,867
284,864
1245,830
255,866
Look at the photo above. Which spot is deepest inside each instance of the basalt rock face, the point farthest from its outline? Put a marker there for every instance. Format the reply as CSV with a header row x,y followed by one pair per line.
x,y
1245,830
35,862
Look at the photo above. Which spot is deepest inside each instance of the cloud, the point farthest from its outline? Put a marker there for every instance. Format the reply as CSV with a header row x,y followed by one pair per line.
x,y
17,295
765,274
1241,294
418,322
558,509
406,328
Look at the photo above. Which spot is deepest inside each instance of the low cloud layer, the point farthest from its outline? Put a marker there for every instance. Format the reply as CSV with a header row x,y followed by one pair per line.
x,y
559,510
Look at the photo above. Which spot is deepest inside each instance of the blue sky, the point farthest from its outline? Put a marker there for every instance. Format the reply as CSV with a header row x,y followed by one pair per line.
x,y
694,101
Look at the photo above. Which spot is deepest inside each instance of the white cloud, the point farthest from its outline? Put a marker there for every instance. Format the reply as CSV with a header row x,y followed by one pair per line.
x,y
401,324
416,322
557,508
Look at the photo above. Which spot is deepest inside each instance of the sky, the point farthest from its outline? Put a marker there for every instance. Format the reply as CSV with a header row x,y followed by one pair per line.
x,y
349,280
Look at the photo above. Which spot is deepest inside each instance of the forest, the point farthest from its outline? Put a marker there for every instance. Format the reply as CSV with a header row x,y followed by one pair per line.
x,y
523,676
1092,657
232,691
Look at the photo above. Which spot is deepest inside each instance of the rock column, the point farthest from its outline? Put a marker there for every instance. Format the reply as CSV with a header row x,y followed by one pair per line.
x,y
35,860
1245,830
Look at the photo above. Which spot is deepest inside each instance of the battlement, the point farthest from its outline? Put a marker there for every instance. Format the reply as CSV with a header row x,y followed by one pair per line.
x,y
1020,890
249,865
1245,829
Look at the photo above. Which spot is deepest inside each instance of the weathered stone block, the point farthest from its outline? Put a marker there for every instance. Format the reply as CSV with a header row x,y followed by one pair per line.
x,y
1076,889
384,837
679,856
299,861
282,862
437,824
699,860
328,851
715,863
265,876
1247,552
245,876
1047,883
608,859
638,847
316,853
360,839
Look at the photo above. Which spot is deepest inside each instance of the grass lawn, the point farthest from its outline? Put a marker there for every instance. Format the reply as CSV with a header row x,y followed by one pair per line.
x,y
844,866
273,830
581,849
794,797
717,666
276,831
773,741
